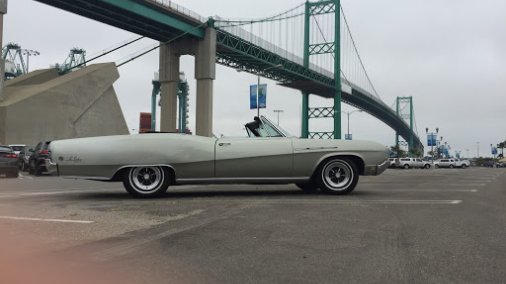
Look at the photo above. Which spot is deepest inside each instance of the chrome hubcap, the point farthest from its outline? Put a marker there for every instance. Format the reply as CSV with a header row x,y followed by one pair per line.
x,y
337,175
146,179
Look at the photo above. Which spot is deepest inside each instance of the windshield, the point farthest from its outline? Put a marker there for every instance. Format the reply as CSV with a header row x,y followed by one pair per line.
x,y
263,127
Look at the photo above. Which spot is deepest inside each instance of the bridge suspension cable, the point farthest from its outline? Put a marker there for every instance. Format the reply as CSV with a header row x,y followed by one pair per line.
x,y
281,33
155,46
104,53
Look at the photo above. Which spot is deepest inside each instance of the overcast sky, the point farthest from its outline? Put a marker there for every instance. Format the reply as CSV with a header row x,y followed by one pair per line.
x,y
449,55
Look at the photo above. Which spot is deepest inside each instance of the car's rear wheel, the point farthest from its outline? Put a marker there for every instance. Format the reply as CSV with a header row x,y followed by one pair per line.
x,y
337,176
147,181
308,186
406,166
436,166
427,166
464,166
451,166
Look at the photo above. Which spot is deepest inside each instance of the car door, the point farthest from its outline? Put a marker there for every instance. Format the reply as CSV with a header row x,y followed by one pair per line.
x,y
254,157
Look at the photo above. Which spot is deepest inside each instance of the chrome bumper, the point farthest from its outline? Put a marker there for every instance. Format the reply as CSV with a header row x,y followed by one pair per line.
x,y
52,168
376,170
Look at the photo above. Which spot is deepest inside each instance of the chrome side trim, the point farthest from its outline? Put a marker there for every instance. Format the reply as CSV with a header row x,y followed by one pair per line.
x,y
266,180
87,178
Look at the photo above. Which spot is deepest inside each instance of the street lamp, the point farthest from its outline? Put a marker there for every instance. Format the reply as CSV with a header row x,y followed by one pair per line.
x,y
349,113
28,53
278,111
432,140
494,152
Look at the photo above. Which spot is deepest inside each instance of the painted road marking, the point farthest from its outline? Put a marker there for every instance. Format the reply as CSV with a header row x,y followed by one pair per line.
x,y
429,190
346,202
45,220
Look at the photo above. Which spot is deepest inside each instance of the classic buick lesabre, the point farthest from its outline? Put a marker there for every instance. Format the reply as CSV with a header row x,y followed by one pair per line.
x,y
148,164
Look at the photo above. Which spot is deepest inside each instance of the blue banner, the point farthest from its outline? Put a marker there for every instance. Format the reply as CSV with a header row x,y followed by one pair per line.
x,y
262,96
348,137
494,151
252,96
432,139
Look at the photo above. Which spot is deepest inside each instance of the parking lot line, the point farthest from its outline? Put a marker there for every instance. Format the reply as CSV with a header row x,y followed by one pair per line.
x,y
355,202
431,190
45,220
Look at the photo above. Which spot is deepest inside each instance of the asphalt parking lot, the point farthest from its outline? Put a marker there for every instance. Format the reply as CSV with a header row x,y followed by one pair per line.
x,y
405,226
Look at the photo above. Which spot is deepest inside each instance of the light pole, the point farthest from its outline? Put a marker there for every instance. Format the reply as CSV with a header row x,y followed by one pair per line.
x,y
258,84
477,149
278,111
349,113
431,140
494,152
28,53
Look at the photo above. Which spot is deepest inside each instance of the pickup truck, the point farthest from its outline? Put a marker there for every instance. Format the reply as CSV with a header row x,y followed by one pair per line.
x,y
407,163
462,163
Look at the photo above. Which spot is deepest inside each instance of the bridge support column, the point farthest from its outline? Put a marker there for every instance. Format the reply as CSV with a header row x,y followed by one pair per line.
x,y
304,133
205,73
169,78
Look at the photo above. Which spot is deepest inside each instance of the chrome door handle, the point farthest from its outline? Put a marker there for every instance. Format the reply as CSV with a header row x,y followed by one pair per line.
x,y
224,144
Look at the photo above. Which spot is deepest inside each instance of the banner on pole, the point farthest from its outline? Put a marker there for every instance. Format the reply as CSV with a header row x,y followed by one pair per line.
x,y
431,139
262,96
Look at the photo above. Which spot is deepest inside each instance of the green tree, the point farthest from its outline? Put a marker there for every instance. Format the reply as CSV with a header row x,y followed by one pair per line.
x,y
398,152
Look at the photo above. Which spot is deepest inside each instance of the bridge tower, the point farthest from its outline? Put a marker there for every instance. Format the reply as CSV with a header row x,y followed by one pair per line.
x,y
404,109
313,9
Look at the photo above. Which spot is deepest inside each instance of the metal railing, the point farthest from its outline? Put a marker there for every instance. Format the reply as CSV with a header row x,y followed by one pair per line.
x,y
180,9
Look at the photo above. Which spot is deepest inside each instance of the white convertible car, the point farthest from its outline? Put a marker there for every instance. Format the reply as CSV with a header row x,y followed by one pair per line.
x,y
148,164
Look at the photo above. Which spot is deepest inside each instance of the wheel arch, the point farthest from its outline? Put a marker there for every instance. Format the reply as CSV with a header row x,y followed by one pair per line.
x,y
122,171
355,158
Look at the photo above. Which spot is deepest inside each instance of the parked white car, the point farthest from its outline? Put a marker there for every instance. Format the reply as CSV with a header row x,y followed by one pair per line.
x,y
445,163
462,163
408,163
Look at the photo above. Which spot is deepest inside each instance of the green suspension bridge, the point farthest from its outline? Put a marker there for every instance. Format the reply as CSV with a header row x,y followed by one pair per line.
x,y
309,48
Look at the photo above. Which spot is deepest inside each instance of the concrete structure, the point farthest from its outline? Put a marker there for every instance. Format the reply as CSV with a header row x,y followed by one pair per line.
x,y
43,105
205,72
3,10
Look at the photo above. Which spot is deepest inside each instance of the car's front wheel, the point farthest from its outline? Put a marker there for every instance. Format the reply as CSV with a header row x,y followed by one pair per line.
x,y
337,176
146,181
427,166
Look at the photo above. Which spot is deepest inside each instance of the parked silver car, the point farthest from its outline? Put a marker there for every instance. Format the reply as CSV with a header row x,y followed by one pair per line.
x,y
408,163
148,163
445,163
